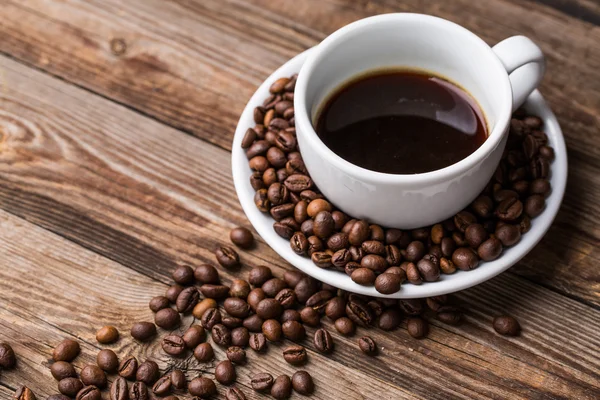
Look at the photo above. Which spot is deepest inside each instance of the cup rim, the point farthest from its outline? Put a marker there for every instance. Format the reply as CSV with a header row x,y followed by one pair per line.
x,y
305,126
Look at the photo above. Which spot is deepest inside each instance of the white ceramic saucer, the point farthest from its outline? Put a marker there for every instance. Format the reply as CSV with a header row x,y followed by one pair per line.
x,y
263,223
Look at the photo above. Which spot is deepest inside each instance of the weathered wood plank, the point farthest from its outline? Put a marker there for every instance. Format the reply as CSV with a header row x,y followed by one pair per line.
x,y
61,289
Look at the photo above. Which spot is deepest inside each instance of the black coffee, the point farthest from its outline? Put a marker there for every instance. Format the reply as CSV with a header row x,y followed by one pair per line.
x,y
401,122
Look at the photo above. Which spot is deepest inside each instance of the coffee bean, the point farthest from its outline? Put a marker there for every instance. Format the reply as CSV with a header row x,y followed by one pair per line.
x,y
225,373
158,303
107,360
345,326
278,194
367,345
128,368
314,243
508,234
8,359
323,341
66,350
273,286
374,262
173,345
173,292
234,393
463,219
534,205
257,183
465,258
167,318
91,393
359,232
299,243
183,275
295,354
286,297
490,249
254,297
393,256
259,275
236,355
221,335
359,312
323,224
187,300
275,157
336,308
258,342
262,382
214,291
412,307
293,330
388,283
227,257
539,168
303,383
206,273
282,387
162,386
107,334
338,241
322,259
376,306
59,370
178,379
475,234
412,274
24,393
390,319
449,315
93,375
147,372
507,325
236,307
509,209
269,308
310,316
417,327
250,135
447,246
305,288
70,386
193,336
428,270
297,182
119,389
253,323
414,251
202,387
318,205
204,352
319,300
290,315
271,328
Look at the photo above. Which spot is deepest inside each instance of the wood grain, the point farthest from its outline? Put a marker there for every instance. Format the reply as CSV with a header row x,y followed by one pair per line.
x,y
194,64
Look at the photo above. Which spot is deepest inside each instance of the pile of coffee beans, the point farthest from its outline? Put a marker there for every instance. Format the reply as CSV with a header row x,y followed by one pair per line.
x,y
387,257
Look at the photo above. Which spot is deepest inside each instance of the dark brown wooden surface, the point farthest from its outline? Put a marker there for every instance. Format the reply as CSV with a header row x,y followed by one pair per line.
x,y
114,167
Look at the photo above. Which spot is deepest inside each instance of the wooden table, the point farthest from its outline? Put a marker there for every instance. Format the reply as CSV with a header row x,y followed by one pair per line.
x,y
116,121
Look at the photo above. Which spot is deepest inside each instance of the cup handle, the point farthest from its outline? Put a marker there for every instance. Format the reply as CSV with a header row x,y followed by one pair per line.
x,y
525,64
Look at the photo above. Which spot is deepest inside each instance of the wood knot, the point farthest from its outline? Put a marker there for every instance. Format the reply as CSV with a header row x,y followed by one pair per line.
x,y
118,46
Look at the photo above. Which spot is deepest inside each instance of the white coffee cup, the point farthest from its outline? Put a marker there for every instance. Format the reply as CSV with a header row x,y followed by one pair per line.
x,y
500,78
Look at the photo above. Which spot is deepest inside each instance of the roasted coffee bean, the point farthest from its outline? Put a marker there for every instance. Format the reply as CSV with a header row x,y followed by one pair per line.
x,y
412,274
259,275
508,234
299,243
286,297
128,368
475,234
340,258
534,205
202,306
546,152
206,273
275,157
234,393
310,316
434,303
463,219
449,315
158,303
300,211
239,288
297,182
283,230
93,375
227,257
281,175
273,286
295,354
221,335
107,334
323,224
269,308
162,386
107,360
167,318
412,307
282,387
278,194
66,350
70,386
359,311
509,209
540,186
376,233
286,141
539,168
250,135
521,187
187,299
258,148
323,341
291,278
225,372
236,355
336,308
271,328
231,322
178,379
214,291
147,372
236,307
345,326
338,241
421,234
414,251
91,393
59,370
202,387
340,219
367,345
242,237
376,307
318,205
240,336
269,177
258,342
490,249
24,393
374,262
8,359
359,232
254,297
305,288
303,383
393,256
428,270
507,325
204,352
417,327
173,345
373,247
314,243
352,266
293,330
118,389
144,331
465,258
322,259
257,183
290,315
262,382
390,319
389,283
437,233
183,275
319,300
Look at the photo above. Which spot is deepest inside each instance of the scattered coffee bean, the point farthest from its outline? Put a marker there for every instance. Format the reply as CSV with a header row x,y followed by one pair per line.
x,y
173,345
303,383
91,393
202,387
490,249
214,291
293,330
60,370
363,276
147,372
128,368
187,300
390,319
178,379
273,286
167,318
253,323
282,387
259,275
236,307
183,275
507,325
8,359
206,274
234,393
173,292
236,355
138,391
359,312
345,326
107,360
323,341
221,335
258,342
210,318
107,334
143,331
268,309
227,257
119,389
271,328
295,354
449,315
93,375
158,303
193,336
310,316
225,372
70,386
390,283
262,382
465,258
417,327
240,336
66,350
239,288
162,386
204,352
367,345
242,237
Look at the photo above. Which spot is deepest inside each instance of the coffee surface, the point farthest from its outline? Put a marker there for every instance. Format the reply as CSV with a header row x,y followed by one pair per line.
x,y
401,122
